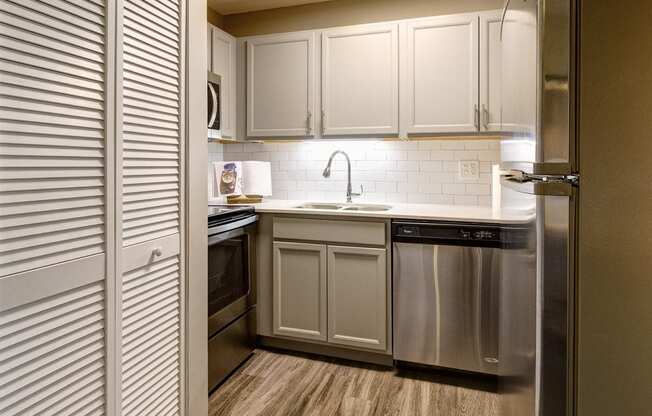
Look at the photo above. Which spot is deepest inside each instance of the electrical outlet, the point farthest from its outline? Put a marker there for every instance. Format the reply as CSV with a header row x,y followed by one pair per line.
x,y
469,169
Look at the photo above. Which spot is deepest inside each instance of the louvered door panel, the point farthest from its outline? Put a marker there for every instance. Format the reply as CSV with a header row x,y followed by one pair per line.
x,y
151,120
151,325
52,359
150,97
52,132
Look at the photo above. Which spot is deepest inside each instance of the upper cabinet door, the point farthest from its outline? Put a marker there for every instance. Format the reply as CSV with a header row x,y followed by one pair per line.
x,y
442,74
209,47
223,63
490,70
280,85
359,80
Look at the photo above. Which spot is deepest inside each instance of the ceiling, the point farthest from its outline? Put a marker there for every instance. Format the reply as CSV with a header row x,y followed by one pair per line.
x,y
242,6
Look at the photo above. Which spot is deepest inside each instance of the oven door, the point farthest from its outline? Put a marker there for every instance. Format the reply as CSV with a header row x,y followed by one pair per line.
x,y
231,279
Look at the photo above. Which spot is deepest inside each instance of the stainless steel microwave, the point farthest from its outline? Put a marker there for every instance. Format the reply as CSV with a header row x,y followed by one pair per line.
x,y
214,106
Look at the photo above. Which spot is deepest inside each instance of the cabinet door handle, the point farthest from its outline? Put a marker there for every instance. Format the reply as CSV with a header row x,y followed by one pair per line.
x,y
309,123
476,117
485,117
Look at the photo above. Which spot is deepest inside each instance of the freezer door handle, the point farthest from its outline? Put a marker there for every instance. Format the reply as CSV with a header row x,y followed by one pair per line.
x,y
535,184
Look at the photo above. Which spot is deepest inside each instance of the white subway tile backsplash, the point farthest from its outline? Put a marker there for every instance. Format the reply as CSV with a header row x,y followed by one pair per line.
x,y
431,166
407,165
418,155
429,145
420,171
442,155
476,145
453,145
478,189
454,189
385,187
430,188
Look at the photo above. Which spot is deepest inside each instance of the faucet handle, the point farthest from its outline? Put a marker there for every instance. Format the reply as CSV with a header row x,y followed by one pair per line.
x,y
361,192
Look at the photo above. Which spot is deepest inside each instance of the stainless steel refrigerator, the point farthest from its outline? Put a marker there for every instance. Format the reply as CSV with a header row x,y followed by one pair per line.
x,y
540,179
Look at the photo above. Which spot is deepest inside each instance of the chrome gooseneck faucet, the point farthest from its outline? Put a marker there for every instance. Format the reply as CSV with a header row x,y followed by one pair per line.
x,y
327,173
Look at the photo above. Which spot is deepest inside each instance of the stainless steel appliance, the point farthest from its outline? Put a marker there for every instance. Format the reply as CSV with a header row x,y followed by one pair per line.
x,y
540,180
214,106
231,289
446,283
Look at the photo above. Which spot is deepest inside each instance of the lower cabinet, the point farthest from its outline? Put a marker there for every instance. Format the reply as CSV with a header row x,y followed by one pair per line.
x,y
336,294
300,290
357,297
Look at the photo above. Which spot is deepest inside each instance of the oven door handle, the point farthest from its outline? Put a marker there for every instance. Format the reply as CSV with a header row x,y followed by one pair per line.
x,y
231,230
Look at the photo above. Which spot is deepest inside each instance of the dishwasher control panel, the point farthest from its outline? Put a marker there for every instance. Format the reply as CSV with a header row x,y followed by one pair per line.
x,y
446,233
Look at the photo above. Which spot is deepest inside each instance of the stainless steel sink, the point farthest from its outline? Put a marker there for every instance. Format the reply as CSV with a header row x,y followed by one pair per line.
x,y
320,205
345,207
369,207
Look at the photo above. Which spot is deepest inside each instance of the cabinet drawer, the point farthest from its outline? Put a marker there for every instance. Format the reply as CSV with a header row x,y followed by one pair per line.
x,y
355,232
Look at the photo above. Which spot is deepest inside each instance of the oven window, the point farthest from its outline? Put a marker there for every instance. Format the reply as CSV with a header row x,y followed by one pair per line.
x,y
228,273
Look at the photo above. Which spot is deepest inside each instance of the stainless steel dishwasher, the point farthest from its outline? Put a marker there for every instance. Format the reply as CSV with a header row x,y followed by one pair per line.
x,y
446,284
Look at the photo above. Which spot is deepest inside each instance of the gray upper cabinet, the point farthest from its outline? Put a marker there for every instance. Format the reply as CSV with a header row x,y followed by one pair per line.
x,y
359,80
299,297
490,71
441,71
222,61
441,80
357,297
280,85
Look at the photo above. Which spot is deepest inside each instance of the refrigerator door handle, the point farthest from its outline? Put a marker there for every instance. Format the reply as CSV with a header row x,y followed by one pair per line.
x,y
535,184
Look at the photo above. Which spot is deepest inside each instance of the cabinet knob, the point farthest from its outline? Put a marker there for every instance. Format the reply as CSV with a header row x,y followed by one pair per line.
x,y
157,252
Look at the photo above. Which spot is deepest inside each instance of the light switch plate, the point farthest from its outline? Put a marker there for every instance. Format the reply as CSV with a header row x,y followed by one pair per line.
x,y
469,170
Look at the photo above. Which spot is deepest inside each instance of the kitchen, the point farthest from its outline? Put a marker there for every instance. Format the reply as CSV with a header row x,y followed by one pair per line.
x,y
408,208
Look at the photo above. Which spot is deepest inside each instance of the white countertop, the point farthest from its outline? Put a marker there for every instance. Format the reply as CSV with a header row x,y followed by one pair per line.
x,y
404,211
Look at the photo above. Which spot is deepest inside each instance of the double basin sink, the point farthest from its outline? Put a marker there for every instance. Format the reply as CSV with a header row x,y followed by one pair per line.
x,y
345,207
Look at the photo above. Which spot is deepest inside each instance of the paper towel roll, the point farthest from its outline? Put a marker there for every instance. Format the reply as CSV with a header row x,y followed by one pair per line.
x,y
256,178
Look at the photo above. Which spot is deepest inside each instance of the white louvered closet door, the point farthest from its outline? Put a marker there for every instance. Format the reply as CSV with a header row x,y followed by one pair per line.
x,y
56,238
150,135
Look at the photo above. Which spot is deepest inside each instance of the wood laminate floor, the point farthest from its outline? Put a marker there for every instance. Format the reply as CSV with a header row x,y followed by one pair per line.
x,y
278,383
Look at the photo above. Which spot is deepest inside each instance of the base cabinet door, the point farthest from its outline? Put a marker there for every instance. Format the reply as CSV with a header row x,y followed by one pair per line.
x,y
300,290
357,297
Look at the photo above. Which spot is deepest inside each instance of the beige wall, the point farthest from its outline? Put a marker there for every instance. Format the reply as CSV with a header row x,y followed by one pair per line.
x,y
345,12
215,18
615,252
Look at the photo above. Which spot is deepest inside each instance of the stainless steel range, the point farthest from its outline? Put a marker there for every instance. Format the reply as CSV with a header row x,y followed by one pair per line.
x,y
231,289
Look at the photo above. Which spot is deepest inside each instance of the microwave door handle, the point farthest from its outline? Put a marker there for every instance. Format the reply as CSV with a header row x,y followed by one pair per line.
x,y
502,18
214,106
